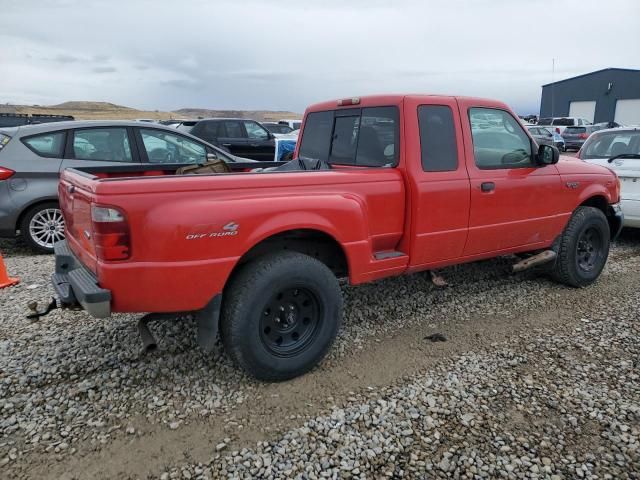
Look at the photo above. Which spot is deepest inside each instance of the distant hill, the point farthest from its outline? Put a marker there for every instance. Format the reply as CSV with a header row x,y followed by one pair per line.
x,y
260,115
82,110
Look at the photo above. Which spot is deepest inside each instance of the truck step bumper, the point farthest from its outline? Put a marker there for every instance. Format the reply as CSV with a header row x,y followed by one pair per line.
x,y
74,284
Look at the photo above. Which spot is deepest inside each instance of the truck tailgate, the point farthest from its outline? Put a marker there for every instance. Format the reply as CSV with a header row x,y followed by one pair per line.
x,y
76,195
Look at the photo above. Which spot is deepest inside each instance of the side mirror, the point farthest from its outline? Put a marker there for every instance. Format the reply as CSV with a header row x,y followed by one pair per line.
x,y
547,155
211,156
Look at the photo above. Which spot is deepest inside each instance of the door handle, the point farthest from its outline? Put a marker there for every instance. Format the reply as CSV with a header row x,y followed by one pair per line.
x,y
487,187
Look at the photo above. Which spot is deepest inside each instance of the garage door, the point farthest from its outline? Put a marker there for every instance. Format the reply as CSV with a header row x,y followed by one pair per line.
x,y
628,112
583,110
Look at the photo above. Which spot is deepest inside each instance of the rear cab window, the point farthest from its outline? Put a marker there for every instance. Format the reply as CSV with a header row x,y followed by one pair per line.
x,y
46,144
356,136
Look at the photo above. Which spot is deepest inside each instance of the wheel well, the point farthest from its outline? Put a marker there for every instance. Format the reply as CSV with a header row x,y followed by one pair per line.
x,y
598,202
29,207
310,242
602,204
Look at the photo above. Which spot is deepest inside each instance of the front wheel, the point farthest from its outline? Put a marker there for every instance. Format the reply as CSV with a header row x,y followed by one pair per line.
x,y
280,315
42,226
583,248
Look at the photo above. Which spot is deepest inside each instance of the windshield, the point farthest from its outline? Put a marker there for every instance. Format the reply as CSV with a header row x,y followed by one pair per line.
x,y
575,130
611,144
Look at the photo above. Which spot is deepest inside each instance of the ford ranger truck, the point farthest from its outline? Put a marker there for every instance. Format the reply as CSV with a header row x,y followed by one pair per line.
x,y
379,186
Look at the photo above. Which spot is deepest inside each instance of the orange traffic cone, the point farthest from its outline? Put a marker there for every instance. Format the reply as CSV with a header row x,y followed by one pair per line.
x,y
5,280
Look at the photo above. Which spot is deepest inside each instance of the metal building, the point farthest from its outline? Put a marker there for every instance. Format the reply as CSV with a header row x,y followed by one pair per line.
x,y
608,95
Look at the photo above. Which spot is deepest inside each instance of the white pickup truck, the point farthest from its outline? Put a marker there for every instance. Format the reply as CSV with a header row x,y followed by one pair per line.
x,y
558,124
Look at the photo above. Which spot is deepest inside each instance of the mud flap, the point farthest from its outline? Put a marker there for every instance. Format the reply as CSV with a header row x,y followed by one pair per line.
x,y
207,321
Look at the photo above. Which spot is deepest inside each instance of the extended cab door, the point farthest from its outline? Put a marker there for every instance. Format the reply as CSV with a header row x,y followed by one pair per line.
x,y
513,201
438,179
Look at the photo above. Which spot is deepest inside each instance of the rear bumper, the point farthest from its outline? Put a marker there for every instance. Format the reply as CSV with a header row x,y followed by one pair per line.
x,y
573,143
75,285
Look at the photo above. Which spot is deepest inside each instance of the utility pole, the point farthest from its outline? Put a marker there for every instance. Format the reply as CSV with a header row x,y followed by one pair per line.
x,y
553,69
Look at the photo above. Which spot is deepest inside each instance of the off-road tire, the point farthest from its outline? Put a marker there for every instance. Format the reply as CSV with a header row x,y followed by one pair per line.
x,y
567,267
248,302
25,232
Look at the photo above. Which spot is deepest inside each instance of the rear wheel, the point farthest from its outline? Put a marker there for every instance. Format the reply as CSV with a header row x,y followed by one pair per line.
x,y
583,248
42,226
280,315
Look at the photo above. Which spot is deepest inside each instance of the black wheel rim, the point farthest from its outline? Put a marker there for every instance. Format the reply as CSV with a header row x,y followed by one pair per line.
x,y
289,321
589,249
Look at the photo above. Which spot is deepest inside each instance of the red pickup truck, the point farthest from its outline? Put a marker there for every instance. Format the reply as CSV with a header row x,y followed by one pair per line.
x,y
380,186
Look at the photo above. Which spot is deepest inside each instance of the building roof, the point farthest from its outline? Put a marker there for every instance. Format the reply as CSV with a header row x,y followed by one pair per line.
x,y
591,73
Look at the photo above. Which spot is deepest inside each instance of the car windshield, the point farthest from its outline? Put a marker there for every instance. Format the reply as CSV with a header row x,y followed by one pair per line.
x,y
611,144
575,130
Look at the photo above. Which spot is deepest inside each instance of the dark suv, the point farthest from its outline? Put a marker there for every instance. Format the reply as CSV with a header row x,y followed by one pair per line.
x,y
243,138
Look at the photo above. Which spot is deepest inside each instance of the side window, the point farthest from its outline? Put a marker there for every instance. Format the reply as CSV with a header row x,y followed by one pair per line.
x,y
107,144
166,147
255,131
213,130
503,145
438,145
316,136
234,129
47,144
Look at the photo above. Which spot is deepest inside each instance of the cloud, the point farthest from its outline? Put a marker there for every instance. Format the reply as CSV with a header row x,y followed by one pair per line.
x,y
65,58
290,54
104,69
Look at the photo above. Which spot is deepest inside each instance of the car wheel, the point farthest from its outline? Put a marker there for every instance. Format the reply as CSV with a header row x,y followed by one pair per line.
x,y
280,315
42,226
583,248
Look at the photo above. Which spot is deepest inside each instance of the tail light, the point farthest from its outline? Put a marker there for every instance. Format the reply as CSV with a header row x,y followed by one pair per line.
x,y
6,173
584,136
110,233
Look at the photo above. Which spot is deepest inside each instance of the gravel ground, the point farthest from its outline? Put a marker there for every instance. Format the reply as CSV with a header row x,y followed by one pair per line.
x,y
536,380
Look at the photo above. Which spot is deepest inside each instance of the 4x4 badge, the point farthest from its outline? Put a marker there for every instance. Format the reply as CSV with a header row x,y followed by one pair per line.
x,y
231,227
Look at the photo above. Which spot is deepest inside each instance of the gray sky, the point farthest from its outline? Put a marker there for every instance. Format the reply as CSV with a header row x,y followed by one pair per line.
x,y
281,54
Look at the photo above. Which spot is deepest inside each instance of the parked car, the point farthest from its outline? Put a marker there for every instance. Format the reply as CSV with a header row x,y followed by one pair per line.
x,y
574,137
541,135
560,123
277,128
241,137
32,157
619,150
546,136
259,255
294,124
